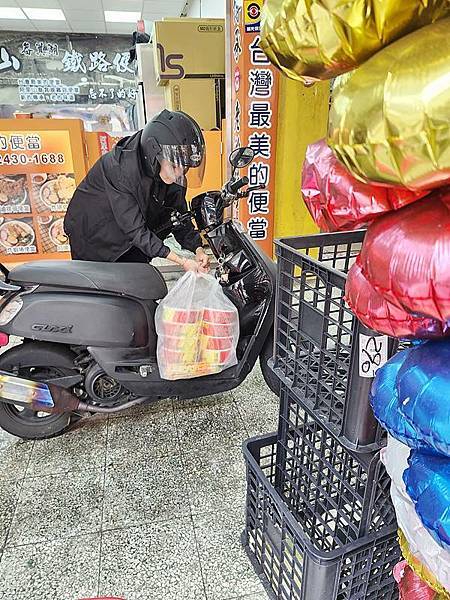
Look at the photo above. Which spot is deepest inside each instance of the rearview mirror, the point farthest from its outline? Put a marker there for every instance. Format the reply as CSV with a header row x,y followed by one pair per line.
x,y
241,157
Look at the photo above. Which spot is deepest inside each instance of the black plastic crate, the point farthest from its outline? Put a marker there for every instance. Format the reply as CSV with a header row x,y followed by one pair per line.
x,y
322,351
346,494
300,559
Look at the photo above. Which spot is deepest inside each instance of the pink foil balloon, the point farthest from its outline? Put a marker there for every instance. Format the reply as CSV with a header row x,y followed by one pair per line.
x,y
381,315
337,201
410,586
406,256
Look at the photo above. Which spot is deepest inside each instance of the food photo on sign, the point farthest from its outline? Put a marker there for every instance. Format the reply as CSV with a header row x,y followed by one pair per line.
x,y
53,236
14,196
52,191
17,236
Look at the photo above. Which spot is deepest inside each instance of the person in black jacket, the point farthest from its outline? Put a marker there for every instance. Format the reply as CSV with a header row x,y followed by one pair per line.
x,y
121,210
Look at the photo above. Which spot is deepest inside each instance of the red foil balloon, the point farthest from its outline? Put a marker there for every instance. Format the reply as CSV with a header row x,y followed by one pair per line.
x,y
406,256
410,586
381,315
337,201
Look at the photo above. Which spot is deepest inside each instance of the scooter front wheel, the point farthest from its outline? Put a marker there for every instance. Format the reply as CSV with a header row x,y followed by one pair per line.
x,y
26,423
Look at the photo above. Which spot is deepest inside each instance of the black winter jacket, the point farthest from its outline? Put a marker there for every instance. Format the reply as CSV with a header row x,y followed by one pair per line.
x,y
117,207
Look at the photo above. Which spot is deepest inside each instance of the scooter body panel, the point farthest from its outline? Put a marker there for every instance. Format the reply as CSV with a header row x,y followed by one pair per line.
x,y
83,319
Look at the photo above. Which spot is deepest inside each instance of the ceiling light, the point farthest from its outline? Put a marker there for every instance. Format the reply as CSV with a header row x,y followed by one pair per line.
x,y
121,16
10,12
45,14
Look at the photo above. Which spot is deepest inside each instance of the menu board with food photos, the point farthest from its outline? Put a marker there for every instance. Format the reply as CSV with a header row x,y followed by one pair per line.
x,y
39,171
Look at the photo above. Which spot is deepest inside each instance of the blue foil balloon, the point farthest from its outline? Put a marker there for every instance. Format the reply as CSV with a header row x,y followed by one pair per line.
x,y
423,389
386,404
427,482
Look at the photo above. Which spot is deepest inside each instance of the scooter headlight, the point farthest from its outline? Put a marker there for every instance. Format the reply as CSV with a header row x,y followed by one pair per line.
x,y
10,310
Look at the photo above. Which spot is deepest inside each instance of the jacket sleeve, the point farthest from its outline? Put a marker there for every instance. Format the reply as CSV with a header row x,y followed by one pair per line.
x,y
186,235
130,219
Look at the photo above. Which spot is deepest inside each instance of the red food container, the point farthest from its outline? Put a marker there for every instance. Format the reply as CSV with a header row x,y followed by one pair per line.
x,y
219,316
218,343
217,329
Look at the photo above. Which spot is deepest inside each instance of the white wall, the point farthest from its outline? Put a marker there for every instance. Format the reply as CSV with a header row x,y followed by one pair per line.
x,y
208,9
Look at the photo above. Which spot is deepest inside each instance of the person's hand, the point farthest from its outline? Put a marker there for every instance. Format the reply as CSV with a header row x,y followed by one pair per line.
x,y
190,265
202,260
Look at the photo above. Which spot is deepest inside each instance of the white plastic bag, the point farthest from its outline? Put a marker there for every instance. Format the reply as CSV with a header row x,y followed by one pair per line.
x,y
421,545
197,327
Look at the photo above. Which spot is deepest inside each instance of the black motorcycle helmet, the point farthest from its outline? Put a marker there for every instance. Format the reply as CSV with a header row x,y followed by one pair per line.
x,y
175,137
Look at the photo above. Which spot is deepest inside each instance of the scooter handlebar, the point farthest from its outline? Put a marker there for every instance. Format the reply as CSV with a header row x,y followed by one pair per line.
x,y
252,188
233,187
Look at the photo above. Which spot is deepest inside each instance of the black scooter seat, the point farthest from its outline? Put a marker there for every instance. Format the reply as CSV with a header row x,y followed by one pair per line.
x,y
132,279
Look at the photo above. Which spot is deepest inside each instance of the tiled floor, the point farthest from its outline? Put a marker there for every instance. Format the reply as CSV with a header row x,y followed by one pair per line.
x,y
147,505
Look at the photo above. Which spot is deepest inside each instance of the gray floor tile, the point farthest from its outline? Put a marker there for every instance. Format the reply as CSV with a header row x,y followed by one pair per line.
x,y
14,456
216,478
254,386
58,570
257,405
147,436
262,595
144,491
156,406
81,449
157,562
202,402
9,495
209,424
226,568
260,414
58,506
145,484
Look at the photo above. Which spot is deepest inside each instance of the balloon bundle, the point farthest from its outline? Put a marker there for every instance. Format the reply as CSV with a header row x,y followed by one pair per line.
x,y
386,165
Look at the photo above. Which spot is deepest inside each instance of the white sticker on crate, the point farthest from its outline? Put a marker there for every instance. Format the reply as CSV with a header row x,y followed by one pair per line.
x,y
373,353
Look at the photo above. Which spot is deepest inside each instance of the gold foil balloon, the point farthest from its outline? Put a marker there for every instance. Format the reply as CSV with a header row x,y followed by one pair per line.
x,y
390,119
320,39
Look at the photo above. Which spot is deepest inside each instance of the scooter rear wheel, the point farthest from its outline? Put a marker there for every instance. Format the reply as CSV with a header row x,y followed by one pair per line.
x,y
25,422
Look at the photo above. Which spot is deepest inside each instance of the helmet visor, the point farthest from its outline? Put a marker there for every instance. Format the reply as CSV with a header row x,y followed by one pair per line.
x,y
183,164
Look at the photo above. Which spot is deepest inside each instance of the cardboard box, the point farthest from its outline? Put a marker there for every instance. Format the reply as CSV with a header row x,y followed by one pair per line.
x,y
188,48
202,99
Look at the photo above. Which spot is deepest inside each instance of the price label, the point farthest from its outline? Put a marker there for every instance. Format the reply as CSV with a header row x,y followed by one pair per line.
x,y
373,354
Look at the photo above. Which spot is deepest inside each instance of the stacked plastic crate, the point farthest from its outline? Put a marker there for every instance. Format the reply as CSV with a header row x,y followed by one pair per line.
x,y
320,524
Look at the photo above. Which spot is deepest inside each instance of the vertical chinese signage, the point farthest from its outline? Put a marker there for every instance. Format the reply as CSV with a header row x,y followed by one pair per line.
x,y
254,113
38,177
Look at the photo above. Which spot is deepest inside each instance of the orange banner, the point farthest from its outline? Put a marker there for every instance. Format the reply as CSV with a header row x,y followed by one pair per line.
x,y
254,114
35,151
38,177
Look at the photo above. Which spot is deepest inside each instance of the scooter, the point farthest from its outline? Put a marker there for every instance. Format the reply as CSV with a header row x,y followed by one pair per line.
x,y
88,330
